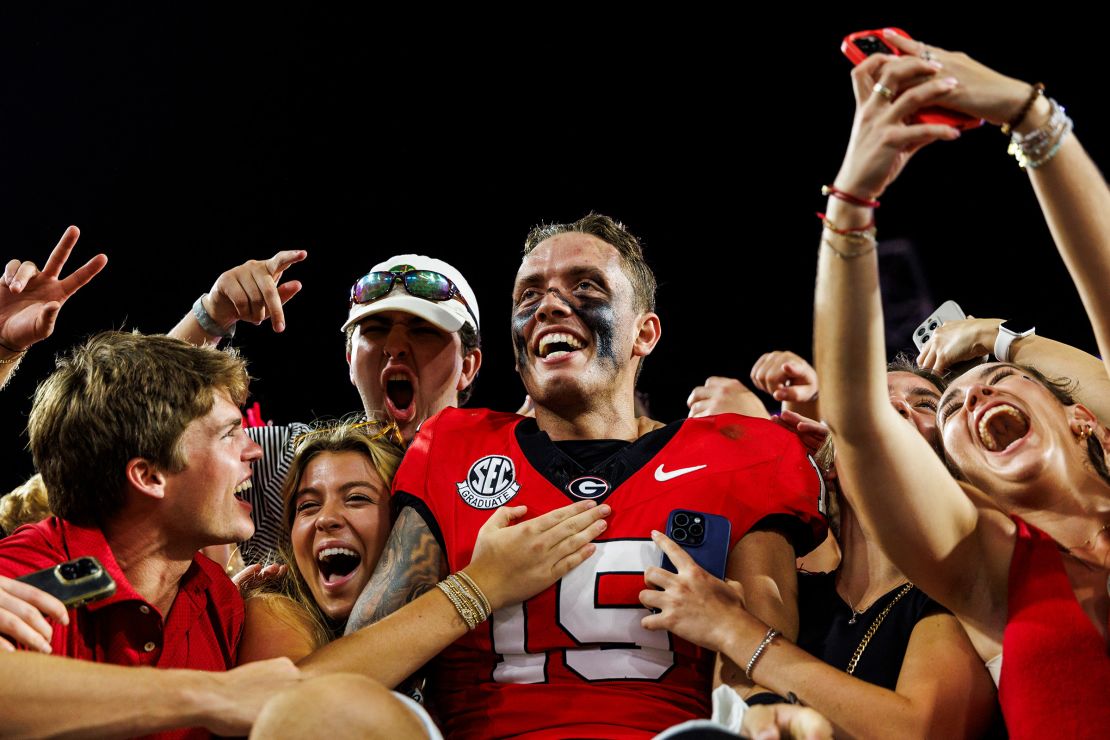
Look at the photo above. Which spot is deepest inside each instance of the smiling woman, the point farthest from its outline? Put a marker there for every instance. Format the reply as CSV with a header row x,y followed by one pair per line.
x,y
336,499
1021,555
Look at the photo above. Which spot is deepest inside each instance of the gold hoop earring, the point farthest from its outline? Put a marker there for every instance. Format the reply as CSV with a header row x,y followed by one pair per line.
x,y
1085,432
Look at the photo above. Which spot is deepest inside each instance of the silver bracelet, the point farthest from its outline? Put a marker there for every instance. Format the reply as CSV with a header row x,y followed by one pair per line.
x,y
208,323
772,633
1038,147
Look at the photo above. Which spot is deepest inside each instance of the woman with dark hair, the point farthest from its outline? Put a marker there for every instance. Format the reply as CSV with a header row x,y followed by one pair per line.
x,y
874,654
1028,583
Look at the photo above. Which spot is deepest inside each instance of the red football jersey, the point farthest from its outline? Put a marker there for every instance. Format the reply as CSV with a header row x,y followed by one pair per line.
x,y
574,661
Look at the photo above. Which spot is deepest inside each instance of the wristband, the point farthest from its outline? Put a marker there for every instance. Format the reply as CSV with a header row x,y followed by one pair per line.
x,y
1006,337
206,322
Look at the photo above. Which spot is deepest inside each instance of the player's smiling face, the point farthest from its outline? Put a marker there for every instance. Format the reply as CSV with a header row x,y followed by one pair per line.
x,y
575,326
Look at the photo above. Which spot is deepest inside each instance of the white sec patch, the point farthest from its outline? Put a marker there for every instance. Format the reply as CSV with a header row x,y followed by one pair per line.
x,y
490,482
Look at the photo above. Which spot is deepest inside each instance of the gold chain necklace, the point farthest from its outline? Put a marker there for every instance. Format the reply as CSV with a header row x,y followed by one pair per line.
x,y
851,669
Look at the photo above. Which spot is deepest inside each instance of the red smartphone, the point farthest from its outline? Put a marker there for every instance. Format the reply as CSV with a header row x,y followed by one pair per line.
x,y
862,44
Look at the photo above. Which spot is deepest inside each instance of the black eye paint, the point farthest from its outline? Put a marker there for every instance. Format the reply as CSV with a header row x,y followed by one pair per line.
x,y
597,315
520,318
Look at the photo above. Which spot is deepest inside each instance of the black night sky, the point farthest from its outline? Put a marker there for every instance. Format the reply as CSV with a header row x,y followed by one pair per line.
x,y
186,138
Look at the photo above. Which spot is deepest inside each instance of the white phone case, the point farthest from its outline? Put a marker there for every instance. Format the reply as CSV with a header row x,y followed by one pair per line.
x,y
947,311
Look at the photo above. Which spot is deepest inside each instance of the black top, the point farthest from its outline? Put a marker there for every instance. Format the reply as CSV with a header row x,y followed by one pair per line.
x,y
826,631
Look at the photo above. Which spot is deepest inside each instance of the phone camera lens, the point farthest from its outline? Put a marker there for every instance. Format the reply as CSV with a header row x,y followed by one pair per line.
x,y
921,331
696,531
69,571
681,519
678,535
932,325
925,338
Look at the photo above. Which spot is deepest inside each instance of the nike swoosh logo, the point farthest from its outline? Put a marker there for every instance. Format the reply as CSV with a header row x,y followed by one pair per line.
x,y
665,475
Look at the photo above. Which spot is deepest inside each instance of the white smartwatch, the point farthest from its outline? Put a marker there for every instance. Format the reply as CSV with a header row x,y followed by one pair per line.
x,y
1009,331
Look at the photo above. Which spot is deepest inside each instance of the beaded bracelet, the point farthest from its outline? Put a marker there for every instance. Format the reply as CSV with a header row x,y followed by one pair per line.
x,y
1038,91
1037,148
772,633
17,354
467,598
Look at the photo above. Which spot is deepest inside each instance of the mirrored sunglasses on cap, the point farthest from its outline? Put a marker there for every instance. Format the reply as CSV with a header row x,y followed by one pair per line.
x,y
426,284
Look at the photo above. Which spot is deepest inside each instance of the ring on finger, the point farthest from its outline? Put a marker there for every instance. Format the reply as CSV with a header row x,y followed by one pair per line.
x,y
926,53
883,90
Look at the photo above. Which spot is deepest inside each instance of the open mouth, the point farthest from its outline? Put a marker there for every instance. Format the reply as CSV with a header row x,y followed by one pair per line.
x,y
336,563
1001,426
400,392
558,344
240,492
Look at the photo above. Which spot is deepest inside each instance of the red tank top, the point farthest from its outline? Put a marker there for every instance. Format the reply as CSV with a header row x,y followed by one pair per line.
x,y
1055,670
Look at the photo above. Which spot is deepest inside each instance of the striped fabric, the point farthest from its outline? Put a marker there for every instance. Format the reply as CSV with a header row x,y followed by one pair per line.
x,y
265,493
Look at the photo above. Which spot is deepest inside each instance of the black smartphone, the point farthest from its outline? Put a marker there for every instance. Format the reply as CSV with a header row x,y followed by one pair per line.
x,y
703,536
74,582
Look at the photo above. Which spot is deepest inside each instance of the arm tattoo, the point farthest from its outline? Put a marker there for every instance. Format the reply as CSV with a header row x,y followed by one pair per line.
x,y
412,563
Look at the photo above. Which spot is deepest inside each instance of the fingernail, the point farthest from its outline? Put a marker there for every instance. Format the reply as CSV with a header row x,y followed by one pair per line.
x,y
951,81
15,285
605,510
45,648
935,63
280,327
889,33
655,534
591,504
602,525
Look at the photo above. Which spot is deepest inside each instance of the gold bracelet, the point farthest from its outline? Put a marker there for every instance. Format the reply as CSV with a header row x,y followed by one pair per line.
x,y
476,604
14,358
468,615
476,591
851,255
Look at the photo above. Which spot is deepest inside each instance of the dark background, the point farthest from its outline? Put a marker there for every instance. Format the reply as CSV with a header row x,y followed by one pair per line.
x,y
186,139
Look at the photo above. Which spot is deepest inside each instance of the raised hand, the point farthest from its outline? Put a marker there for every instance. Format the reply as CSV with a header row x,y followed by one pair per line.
x,y
889,90
812,433
253,291
957,341
724,396
514,562
30,299
786,376
982,92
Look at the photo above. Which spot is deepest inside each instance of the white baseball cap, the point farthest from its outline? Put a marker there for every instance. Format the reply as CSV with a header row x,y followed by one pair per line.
x,y
449,315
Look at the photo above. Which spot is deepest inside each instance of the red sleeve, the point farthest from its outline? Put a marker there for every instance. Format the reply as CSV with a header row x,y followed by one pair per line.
x,y
413,472
27,549
797,490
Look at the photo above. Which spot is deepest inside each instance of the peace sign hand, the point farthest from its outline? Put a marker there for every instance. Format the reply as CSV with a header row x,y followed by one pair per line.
x,y
30,299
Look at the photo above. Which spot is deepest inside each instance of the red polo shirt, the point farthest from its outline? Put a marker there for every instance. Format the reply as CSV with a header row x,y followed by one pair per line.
x,y
201,631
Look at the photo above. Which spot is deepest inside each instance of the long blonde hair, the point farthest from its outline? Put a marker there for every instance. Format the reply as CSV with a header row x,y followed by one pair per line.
x,y
380,443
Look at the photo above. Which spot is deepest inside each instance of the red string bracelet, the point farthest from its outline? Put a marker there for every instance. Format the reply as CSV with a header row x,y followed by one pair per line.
x,y
855,200
845,232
